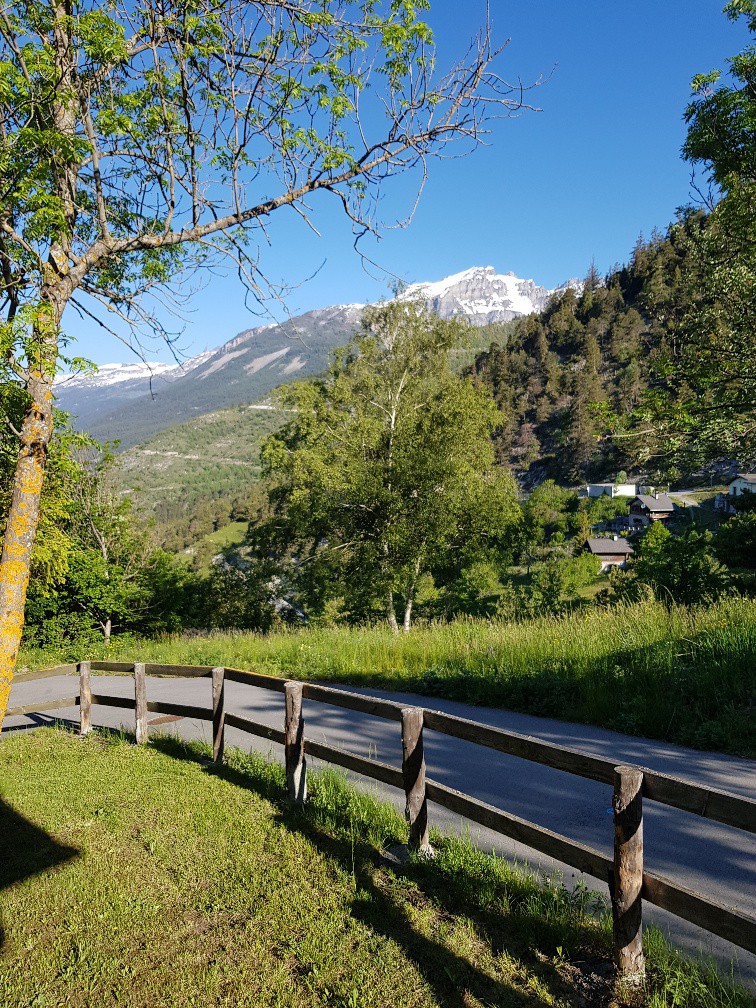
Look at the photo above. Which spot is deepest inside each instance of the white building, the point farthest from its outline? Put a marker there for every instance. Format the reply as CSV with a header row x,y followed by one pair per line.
x,y
743,483
611,490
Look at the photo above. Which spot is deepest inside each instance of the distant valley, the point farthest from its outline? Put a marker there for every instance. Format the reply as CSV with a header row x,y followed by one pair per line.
x,y
244,370
212,455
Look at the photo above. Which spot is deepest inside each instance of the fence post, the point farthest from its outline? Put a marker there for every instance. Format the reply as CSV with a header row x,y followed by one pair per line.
x,y
413,771
140,704
296,764
219,713
627,881
85,698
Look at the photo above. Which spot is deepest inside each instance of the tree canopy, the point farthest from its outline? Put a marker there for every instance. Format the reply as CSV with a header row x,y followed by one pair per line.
x,y
387,467
707,405
722,119
141,141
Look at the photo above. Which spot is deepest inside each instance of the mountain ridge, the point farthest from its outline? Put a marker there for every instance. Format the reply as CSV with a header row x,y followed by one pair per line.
x,y
132,402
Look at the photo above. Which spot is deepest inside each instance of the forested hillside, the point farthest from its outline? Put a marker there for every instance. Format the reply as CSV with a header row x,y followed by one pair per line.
x,y
568,378
198,476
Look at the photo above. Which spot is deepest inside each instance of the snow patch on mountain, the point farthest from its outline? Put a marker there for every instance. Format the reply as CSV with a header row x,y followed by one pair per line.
x,y
113,374
483,295
141,371
573,283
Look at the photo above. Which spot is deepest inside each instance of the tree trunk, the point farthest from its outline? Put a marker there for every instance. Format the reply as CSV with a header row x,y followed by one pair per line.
x,y
42,356
23,518
411,587
391,613
107,628
407,621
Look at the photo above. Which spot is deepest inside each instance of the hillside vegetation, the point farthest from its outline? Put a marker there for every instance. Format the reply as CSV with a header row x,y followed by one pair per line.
x,y
184,475
216,455
567,377
166,883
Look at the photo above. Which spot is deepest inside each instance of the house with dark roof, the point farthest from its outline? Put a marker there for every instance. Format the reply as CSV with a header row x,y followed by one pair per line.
x,y
612,552
647,508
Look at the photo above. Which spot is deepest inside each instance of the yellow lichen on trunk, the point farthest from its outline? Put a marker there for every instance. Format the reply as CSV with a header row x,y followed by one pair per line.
x,y
21,527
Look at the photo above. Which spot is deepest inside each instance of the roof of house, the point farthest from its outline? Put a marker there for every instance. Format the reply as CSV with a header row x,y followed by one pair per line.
x,y
749,477
660,503
610,547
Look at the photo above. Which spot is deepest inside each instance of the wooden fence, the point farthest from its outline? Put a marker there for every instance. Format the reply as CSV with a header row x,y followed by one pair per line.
x,y
628,883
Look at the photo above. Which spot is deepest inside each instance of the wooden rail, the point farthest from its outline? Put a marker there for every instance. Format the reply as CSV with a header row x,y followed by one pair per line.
x,y
629,884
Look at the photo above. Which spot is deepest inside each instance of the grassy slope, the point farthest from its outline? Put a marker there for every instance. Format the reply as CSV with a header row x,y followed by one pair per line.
x,y
184,887
210,545
215,453
688,676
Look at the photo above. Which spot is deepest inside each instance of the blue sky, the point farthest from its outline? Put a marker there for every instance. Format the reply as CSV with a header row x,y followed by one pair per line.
x,y
577,181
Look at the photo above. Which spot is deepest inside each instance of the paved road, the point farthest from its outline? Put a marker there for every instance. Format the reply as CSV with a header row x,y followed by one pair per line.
x,y
704,855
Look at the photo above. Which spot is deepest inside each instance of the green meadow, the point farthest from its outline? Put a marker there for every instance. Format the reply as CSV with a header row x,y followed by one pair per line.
x,y
145,875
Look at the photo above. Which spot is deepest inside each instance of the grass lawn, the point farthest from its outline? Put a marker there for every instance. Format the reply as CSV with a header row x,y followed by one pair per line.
x,y
210,545
144,877
685,675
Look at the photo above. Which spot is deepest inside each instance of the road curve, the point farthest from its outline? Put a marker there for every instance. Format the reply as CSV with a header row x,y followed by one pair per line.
x,y
704,855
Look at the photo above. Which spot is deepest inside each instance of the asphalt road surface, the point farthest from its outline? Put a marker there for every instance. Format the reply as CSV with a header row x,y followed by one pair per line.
x,y
706,856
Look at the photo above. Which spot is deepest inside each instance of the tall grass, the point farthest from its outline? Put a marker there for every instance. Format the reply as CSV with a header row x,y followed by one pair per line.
x,y
687,675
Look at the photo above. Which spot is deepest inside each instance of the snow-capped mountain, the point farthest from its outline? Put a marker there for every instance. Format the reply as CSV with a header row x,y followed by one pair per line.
x,y
86,394
139,373
483,296
114,374
129,402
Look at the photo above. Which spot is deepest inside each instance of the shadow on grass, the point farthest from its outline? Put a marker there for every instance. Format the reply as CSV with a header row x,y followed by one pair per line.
x,y
40,721
26,850
453,895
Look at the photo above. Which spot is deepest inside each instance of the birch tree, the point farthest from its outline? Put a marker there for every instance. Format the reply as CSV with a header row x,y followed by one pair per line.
x,y
140,142
383,472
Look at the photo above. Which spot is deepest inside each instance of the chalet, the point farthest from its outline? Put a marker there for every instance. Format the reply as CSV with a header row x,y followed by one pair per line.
x,y
612,552
647,508
743,483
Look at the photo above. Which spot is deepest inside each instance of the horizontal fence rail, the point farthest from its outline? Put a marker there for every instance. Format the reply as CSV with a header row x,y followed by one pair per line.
x,y
622,872
41,708
48,673
730,809
576,855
